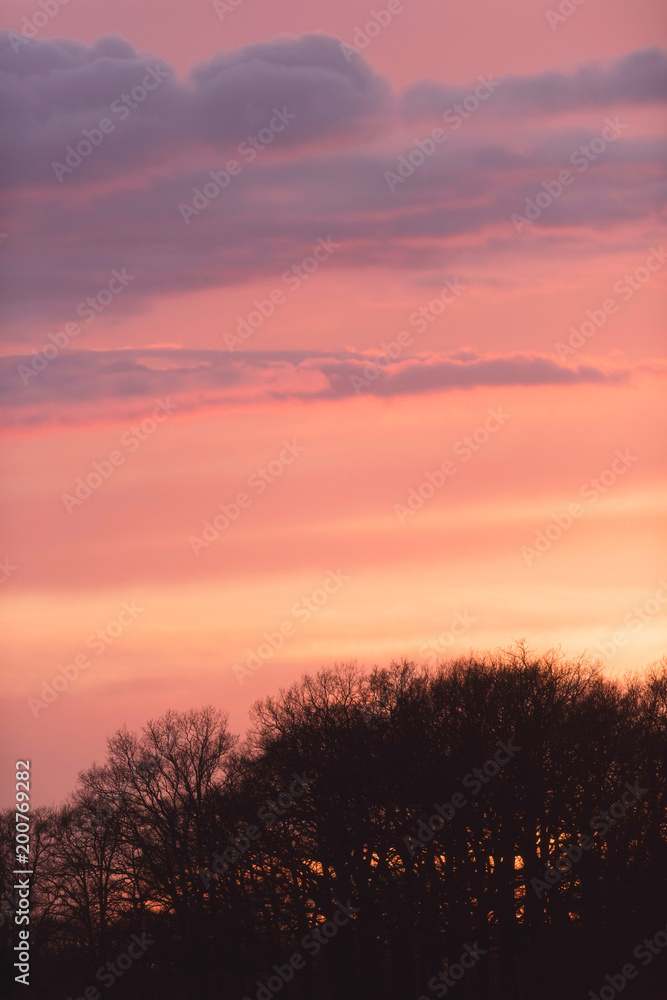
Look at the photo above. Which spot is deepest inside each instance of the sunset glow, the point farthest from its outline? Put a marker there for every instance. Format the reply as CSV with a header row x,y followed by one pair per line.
x,y
317,355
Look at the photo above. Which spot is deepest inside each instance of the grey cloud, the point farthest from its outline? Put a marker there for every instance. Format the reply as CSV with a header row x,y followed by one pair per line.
x,y
54,88
637,78
124,382
274,213
62,247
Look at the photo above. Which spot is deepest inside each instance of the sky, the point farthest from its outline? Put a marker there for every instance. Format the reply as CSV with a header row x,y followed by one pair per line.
x,y
330,333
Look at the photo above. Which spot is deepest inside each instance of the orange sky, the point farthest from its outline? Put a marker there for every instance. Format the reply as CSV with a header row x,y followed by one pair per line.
x,y
305,441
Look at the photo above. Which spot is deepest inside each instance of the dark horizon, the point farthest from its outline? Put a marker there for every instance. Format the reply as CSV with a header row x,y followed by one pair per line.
x,y
395,834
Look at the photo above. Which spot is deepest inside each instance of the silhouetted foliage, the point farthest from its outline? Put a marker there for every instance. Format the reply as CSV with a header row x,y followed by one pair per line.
x,y
224,857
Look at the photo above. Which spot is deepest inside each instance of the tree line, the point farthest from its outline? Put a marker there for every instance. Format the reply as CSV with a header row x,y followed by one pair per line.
x,y
491,828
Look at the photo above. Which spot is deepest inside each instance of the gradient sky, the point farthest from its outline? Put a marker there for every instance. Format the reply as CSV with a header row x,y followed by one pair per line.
x,y
494,376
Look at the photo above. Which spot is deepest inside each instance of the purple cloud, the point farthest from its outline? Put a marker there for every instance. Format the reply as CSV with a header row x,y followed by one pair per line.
x,y
275,212
57,90
66,238
637,78
123,382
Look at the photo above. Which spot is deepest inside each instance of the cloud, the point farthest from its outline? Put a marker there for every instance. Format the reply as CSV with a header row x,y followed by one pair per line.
x,y
272,214
123,384
54,89
66,238
233,91
637,78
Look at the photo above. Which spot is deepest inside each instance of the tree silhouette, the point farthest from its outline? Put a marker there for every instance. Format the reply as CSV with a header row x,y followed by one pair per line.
x,y
497,823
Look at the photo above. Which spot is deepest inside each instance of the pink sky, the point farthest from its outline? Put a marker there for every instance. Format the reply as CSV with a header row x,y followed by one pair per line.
x,y
493,376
